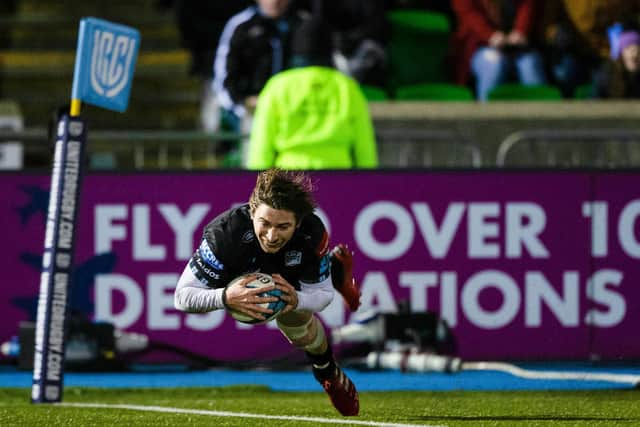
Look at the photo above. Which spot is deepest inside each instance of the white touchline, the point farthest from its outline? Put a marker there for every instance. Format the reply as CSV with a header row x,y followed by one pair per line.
x,y
551,375
240,414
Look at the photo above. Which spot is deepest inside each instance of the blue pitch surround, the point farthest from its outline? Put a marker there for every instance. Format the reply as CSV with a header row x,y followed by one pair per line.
x,y
303,381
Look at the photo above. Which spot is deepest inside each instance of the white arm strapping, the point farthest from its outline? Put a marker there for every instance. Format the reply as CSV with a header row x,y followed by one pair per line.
x,y
193,296
315,297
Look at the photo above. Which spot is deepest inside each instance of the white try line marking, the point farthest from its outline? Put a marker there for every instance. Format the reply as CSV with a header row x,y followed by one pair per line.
x,y
350,421
551,375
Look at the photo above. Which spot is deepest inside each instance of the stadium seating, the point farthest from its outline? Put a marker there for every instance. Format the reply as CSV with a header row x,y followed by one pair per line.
x,y
584,91
373,93
434,92
518,92
38,51
419,45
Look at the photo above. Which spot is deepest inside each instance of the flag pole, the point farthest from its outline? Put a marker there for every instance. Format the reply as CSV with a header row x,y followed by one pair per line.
x,y
75,107
103,47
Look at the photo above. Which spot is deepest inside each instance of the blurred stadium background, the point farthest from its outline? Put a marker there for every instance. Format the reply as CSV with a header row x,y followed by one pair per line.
x,y
421,121
572,164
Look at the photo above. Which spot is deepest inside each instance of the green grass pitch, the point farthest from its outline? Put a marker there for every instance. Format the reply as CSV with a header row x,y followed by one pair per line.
x,y
222,407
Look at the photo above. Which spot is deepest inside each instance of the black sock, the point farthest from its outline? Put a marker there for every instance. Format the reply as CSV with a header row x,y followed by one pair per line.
x,y
324,366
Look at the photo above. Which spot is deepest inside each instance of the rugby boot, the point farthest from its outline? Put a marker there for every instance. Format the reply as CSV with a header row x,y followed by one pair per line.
x,y
342,276
342,392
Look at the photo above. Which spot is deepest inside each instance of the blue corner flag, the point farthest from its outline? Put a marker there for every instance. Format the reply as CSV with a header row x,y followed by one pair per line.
x,y
105,62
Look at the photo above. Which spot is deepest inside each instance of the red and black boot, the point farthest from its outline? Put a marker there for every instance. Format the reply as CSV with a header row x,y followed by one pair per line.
x,y
340,388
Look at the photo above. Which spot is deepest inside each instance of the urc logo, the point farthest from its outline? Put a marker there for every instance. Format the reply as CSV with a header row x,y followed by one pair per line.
x,y
112,56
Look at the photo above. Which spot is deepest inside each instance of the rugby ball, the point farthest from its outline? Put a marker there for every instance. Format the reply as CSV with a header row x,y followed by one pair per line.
x,y
261,280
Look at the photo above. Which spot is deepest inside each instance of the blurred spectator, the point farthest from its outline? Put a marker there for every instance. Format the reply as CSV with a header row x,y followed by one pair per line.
x,y
254,46
200,24
620,78
361,33
575,36
312,116
492,43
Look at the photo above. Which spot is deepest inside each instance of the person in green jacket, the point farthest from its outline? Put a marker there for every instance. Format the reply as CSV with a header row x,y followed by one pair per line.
x,y
311,116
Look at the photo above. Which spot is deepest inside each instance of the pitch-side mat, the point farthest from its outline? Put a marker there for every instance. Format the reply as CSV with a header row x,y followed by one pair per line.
x,y
473,376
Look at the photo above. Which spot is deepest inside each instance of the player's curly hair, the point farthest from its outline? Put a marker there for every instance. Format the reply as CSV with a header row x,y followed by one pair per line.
x,y
284,190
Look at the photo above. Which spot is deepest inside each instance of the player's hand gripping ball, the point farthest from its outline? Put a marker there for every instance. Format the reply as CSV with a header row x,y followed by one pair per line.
x,y
261,280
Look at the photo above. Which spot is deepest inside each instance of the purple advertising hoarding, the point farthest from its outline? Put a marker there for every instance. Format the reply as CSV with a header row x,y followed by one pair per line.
x,y
521,265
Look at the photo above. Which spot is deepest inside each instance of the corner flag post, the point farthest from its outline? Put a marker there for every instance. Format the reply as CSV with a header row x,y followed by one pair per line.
x,y
103,73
